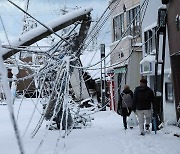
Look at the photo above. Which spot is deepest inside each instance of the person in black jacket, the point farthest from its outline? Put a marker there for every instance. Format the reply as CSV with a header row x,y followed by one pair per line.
x,y
143,101
125,104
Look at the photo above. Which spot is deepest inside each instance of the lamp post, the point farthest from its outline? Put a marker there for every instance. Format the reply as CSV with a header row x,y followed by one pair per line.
x,y
165,1
162,15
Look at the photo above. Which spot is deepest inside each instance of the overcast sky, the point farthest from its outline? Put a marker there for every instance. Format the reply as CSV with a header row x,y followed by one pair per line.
x,y
43,10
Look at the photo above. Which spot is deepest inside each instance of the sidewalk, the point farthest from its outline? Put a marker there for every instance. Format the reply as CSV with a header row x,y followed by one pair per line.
x,y
104,135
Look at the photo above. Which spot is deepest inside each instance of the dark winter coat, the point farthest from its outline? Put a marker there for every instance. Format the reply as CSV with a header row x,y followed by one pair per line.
x,y
143,98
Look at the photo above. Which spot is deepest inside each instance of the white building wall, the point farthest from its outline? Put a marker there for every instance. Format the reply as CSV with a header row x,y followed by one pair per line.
x,y
124,46
134,70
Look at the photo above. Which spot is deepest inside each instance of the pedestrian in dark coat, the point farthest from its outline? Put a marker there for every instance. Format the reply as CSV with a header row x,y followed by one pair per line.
x,y
143,101
125,104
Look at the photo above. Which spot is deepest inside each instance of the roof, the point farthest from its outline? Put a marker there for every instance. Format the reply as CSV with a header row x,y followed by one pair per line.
x,y
148,58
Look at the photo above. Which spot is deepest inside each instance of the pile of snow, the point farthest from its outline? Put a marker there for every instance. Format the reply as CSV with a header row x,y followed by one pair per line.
x,y
105,135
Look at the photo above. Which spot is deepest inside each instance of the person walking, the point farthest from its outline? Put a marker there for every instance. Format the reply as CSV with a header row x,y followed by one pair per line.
x,y
125,104
143,101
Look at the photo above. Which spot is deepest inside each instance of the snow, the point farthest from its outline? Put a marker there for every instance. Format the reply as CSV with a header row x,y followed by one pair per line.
x,y
120,64
148,58
150,26
138,45
90,58
162,7
7,91
104,135
122,39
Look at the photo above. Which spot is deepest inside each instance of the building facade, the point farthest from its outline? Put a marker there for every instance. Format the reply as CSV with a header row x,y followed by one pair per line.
x,y
173,23
150,29
125,49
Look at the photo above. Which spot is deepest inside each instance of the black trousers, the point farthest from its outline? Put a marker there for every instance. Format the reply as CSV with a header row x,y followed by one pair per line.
x,y
125,113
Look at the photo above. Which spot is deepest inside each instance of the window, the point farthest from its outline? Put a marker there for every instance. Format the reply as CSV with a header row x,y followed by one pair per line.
x,y
121,54
150,40
133,16
169,92
145,39
146,67
118,26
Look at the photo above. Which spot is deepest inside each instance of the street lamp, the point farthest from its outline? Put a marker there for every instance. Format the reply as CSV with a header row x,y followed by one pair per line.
x,y
162,16
165,1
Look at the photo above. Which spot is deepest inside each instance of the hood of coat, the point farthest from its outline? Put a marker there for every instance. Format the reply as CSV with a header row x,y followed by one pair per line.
x,y
127,91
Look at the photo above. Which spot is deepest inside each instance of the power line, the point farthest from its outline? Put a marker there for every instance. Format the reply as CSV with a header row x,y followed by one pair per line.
x,y
123,35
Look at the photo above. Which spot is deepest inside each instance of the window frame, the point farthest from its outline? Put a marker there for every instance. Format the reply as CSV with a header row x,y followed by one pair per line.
x,y
131,15
118,26
150,40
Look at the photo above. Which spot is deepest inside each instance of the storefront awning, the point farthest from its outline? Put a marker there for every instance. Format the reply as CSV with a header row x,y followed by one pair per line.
x,y
120,70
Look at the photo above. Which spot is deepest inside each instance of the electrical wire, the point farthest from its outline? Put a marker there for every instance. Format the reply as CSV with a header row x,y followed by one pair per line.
x,y
83,67
113,64
123,35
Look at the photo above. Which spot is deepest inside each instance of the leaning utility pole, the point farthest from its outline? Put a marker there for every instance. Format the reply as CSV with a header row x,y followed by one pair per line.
x,y
45,30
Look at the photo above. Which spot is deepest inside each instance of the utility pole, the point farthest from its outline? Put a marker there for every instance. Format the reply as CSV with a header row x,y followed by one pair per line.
x,y
103,77
51,27
162,15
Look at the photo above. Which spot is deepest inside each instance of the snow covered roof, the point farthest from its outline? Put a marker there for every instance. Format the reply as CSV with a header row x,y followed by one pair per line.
x,y
148,58
150,26
120,64
93,57
123,39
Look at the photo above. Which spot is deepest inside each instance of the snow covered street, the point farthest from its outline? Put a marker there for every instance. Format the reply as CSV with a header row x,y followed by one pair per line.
x,y
63,63
105,135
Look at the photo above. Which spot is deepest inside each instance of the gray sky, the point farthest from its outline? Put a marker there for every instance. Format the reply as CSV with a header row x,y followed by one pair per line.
x,y
43,10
